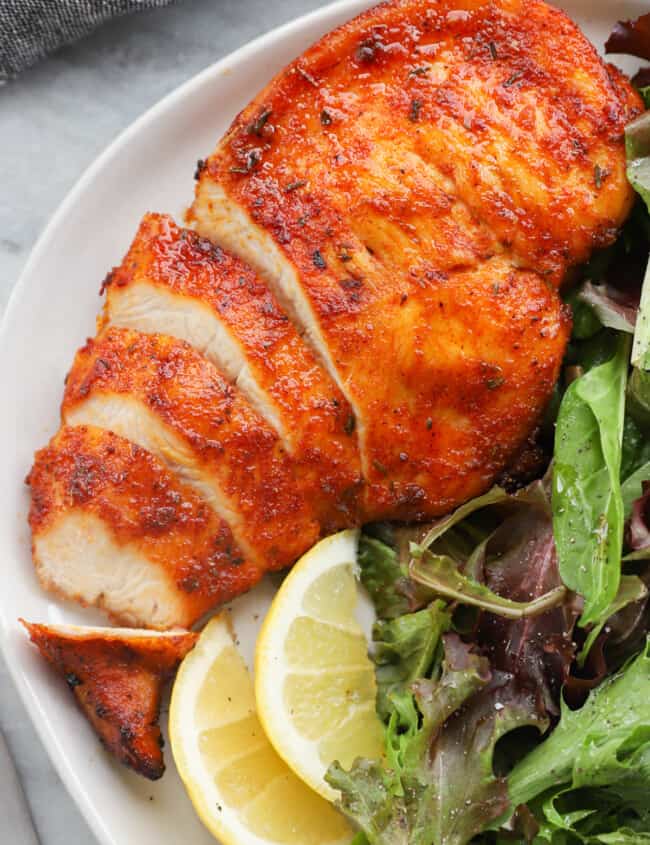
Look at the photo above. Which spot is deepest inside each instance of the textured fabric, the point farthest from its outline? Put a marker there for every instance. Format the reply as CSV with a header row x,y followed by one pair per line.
x,y
30,29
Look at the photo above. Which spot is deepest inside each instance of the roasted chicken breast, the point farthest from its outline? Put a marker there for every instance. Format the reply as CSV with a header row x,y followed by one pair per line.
x,y
414,187
367,324
117,676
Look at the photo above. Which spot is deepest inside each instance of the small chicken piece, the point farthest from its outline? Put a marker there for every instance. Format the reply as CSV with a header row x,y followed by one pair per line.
x,y
414,188
173,282
158,392
117,676
112,528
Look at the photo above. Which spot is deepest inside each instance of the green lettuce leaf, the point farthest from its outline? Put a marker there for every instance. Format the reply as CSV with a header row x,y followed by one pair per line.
x,y
588,512
405,648
605,744
383,577
370,797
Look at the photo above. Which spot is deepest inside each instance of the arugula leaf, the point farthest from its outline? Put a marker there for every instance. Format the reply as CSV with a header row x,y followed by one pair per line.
x,y
405,649
604,744
587,504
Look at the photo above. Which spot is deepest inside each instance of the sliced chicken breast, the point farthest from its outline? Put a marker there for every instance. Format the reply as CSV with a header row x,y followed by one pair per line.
x,y
113,528
117,676
158,392
173,282
414,187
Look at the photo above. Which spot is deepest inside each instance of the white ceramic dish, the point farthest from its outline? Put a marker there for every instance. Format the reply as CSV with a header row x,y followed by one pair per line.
x,y
53,308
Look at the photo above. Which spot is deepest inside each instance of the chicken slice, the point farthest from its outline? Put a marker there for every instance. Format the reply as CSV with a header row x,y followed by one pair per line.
x,y
112,527
173,282
414,187
117,675
158,392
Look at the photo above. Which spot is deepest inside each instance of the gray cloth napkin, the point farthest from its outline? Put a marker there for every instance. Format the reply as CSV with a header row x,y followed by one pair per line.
x,y
30,29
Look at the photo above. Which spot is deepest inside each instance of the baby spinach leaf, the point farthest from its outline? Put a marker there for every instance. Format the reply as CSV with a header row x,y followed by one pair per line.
x,y
587,503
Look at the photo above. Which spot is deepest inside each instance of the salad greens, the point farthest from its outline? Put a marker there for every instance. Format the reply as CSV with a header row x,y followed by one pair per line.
x,y
601,750
441,739
511,647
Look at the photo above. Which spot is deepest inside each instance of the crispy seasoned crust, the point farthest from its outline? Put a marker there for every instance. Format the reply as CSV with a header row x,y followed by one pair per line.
x,y
505,104
313,418
96,475
414,186
208,429
117,676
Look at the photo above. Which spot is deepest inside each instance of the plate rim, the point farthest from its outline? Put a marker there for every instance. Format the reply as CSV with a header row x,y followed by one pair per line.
x,y
88,808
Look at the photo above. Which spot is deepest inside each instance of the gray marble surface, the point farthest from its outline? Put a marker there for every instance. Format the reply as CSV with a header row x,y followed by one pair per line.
x,y
54,120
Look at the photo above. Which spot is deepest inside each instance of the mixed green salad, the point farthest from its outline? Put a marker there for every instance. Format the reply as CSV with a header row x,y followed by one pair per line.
x,y
511,644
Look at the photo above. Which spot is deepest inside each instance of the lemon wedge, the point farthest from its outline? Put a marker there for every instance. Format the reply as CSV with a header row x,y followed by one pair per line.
x,y
243,792
314,682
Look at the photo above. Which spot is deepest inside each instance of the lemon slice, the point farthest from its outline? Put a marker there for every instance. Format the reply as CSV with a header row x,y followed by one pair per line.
x,y
314,682
243,792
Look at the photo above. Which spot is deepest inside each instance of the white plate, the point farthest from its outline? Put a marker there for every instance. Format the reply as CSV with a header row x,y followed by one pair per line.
x,y
53,308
